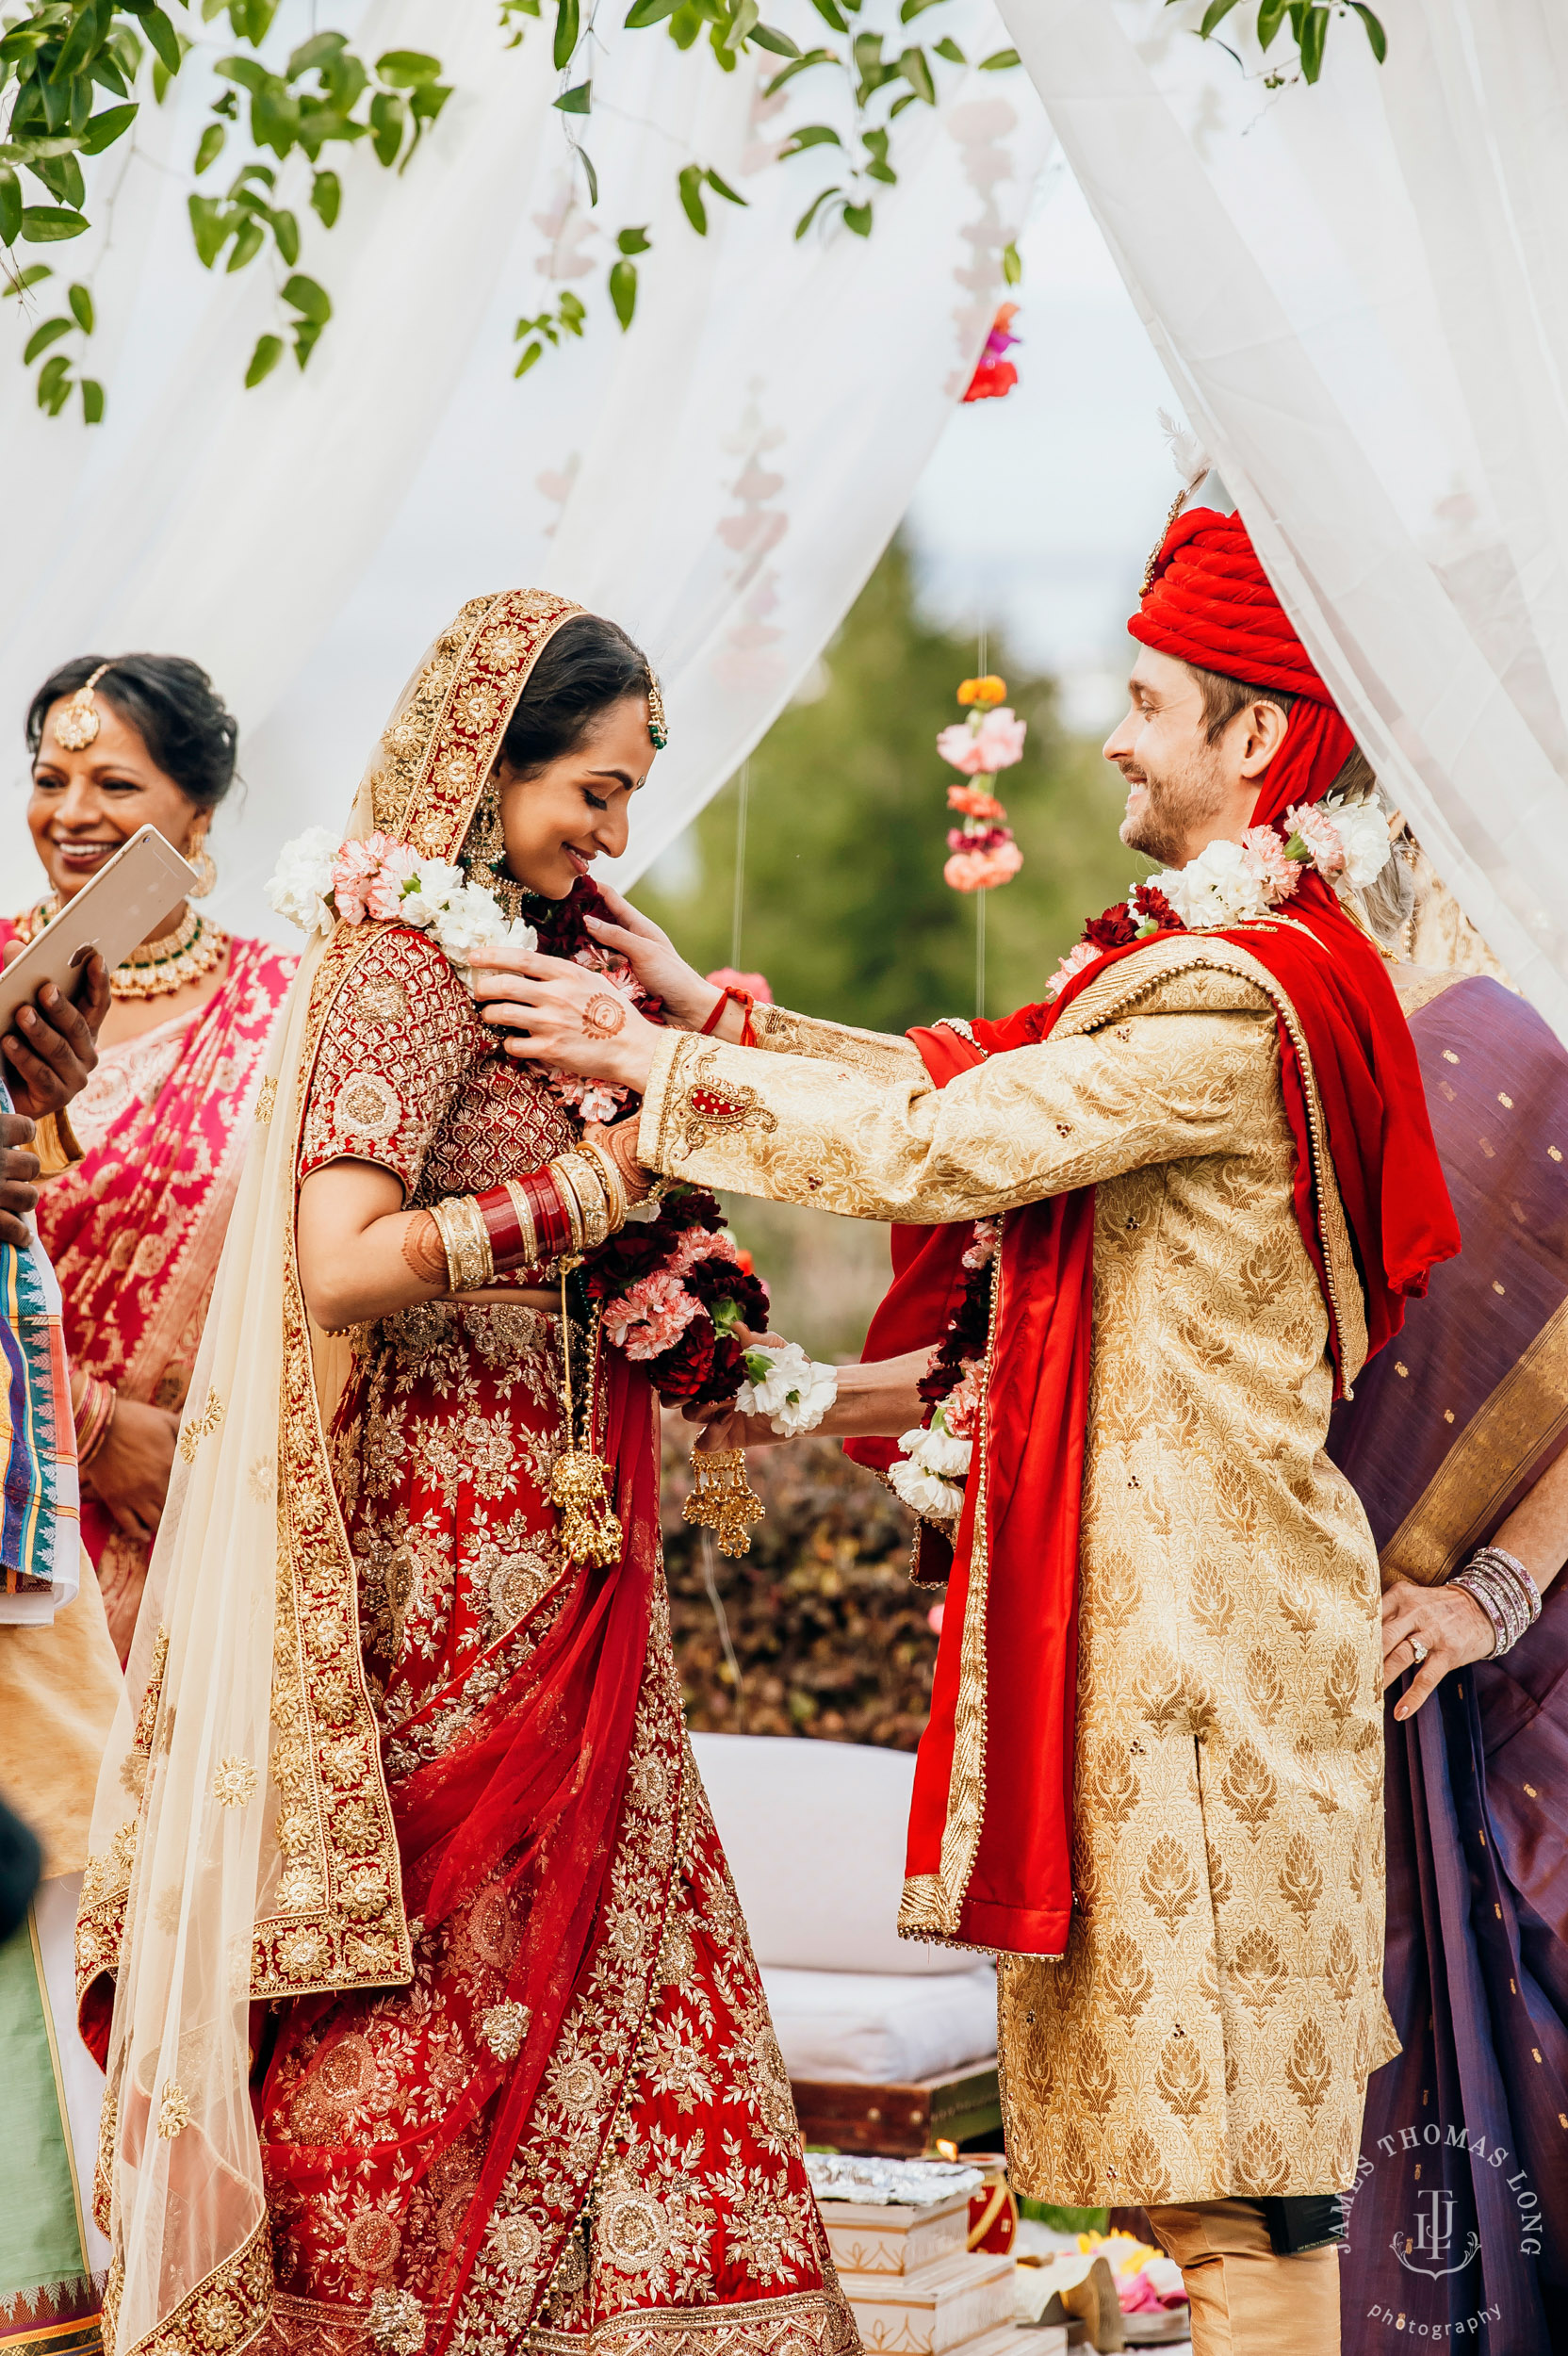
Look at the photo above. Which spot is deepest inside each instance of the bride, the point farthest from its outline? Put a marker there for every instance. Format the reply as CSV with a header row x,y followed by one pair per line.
x,y
428,2010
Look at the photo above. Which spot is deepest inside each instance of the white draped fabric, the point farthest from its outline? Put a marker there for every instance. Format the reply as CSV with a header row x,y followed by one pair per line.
x,y
1361,292
721,479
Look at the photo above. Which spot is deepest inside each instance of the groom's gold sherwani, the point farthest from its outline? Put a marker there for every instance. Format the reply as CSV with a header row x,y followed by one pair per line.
x,y
1210,2030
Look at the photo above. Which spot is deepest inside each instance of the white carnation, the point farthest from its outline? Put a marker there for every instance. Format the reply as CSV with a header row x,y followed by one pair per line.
x,y
1364,832
436,884
301,881
926,1493
470,918
937,1450
1216,888
795,1392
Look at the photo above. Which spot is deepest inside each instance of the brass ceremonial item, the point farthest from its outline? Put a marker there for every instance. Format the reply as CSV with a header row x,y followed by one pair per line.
x,y
723,1499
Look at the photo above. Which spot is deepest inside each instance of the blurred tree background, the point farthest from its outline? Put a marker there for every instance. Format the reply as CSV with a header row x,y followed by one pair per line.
x,y
844,909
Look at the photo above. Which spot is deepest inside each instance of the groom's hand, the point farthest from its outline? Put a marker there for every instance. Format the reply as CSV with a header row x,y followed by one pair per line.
x,y
563,1016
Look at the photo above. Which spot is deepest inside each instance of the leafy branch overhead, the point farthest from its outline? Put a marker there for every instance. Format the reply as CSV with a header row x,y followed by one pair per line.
x,y
1308,20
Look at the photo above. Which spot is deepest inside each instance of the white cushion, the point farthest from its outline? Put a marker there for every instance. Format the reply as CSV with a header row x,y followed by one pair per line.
x,y
877,2028
815,1837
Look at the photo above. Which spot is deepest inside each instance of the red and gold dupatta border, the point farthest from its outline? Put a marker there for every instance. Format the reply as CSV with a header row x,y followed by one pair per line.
x,y
933,1905
339,1921
226,2312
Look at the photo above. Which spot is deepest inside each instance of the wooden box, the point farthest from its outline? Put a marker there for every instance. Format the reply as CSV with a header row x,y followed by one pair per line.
x,y
877,2237
900,2122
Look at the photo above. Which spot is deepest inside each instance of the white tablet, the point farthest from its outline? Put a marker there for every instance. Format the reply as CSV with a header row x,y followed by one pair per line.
x,y
141,884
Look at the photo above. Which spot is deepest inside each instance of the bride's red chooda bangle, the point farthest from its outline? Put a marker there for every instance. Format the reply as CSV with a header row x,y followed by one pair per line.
x,y
745,1000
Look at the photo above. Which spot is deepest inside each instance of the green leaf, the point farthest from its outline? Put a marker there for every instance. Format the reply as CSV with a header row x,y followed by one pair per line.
x,y
1215,14
210,146
248,72
326,196
999,61
685,25
593,178
164,39
54,385
93,402
721,188
42,337
623,291
906,99
286,228
47,224
916,71
1314,33
690,185
314,53
531,352
247,244
809,216
857,217
801,65
832,14
1374,32
1271,15
303,294
11,207
405,68
80,300
911,8
747,14
210,224
633,240
29,277
566,23
769,37
1012,265
813,135
269,351
576,102
644,12
106,127
306,336
388,120
949,49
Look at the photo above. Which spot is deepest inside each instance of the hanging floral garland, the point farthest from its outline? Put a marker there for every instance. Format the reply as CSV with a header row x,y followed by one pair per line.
x,y
994,373
982,850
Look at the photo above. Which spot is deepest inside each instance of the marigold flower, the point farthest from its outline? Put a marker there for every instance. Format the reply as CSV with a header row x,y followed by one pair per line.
x,y
983,691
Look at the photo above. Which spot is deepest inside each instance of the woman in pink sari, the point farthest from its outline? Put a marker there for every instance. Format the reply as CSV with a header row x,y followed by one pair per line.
x,y
134,1227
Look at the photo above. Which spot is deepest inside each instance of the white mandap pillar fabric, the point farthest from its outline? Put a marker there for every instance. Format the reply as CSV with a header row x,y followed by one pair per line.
x,y
721,479
1361,291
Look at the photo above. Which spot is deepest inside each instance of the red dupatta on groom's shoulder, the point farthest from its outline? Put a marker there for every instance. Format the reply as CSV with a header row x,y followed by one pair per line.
x,y
991,1823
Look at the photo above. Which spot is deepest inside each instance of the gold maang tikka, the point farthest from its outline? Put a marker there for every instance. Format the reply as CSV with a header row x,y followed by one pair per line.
x,y
658,726
75,725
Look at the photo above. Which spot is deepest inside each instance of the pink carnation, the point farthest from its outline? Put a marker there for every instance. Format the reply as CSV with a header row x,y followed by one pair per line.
x,y
961,1408
982,1251
1266,859
996,743
400,864
353,871
651,1315
591,1100
1083,952
981,871
974,802
616,971
701,1243
1324,842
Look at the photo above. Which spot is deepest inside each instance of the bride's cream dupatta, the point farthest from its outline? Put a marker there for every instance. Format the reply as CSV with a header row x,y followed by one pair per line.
x,y
242,1844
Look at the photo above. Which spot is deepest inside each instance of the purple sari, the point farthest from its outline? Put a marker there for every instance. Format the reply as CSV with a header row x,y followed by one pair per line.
x,y
1459,2226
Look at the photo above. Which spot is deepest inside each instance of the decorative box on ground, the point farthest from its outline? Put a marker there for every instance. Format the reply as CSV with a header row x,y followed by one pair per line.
x,y
912,2283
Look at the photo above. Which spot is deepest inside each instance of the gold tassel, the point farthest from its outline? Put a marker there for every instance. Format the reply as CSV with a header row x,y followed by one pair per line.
x,y
589,1526
723,1499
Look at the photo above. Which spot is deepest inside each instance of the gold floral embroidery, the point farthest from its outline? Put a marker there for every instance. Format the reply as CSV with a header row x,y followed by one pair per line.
x,y
174,2112
266,1096
234,1782
197,1428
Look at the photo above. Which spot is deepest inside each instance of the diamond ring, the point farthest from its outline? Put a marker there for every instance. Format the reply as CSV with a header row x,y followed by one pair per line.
x,y
1419,1650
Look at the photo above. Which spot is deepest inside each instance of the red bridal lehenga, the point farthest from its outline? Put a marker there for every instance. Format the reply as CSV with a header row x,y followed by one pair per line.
x,y
527,2092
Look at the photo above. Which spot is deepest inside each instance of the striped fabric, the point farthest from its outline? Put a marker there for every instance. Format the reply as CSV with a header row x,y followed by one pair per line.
x,y
40,1515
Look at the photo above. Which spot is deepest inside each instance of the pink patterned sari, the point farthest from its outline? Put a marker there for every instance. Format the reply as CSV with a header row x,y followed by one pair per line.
x,y
135,1229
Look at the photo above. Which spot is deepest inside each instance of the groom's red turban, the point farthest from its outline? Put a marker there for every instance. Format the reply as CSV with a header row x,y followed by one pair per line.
x,y
1209,603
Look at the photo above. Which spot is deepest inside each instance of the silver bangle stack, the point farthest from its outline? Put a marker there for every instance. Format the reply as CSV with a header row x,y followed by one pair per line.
x,y
1505,1591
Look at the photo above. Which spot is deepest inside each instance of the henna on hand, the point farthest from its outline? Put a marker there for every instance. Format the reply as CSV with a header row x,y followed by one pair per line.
x,y
424,1250
603,1016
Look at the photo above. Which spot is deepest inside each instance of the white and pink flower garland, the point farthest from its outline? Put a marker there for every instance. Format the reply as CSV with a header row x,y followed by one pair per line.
x,y
930,1474
982,850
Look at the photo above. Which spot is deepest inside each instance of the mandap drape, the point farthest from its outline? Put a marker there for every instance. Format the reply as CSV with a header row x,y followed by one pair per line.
x,y
1361,292
721,479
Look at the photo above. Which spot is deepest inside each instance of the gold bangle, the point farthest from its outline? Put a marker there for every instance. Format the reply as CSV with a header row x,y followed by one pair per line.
x,y
469,1261
524,1209
569,1203
583,1182
612,1181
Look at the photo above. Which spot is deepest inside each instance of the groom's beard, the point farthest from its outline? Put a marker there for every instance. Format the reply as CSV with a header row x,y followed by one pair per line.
x,y
1176,805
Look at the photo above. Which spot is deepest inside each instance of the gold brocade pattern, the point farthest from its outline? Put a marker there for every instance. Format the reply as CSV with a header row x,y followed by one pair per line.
x,y
1210,2030
223,2314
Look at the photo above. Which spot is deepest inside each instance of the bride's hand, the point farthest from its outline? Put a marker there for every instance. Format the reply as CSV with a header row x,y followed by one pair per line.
x,y
564,1016
689,1000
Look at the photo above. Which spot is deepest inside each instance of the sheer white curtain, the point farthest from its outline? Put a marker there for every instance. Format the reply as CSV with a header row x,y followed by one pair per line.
x,y
1361,292
721,479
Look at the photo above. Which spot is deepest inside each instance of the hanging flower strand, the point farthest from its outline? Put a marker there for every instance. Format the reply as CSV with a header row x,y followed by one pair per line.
x,y
983,852
994,373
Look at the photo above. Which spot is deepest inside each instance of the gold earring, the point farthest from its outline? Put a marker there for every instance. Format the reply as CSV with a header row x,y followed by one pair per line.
x,y
206,869
484,853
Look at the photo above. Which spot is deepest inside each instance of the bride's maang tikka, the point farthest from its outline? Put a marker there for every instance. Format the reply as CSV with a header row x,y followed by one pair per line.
x,y
75,725
658,726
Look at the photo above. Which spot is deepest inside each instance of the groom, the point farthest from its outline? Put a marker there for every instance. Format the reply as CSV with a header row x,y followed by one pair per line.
x,y
1152,1777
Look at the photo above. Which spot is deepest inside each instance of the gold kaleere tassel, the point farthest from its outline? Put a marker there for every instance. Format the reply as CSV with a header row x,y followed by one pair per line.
x,y
579,1485
723,1499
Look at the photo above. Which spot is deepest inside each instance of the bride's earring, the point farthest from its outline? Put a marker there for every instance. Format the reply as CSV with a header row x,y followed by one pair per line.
x,y
484,853
206,869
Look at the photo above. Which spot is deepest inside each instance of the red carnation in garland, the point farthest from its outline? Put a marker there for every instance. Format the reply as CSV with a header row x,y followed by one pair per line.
x,y
1114,930
1151,904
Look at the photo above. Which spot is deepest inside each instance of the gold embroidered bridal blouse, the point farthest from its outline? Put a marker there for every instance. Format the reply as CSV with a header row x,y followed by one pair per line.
x,y
1211,2027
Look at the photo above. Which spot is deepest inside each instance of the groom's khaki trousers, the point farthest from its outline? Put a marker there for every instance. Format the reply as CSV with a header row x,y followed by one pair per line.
x,y
1247,2301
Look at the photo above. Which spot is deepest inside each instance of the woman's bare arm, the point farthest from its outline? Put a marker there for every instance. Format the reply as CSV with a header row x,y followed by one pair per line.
x,y
362,1255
